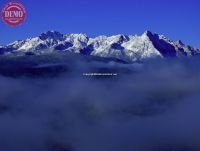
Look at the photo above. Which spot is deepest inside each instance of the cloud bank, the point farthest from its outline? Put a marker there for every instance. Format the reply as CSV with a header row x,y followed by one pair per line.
x,y
148,107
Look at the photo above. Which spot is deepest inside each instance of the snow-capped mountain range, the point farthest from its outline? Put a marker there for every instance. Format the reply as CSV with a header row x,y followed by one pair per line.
x,y
127,48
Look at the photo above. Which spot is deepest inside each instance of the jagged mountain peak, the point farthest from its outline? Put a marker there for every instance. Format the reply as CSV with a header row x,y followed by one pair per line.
x,y
150,35
77,37
162,37
128,48
180,42
147,32
51,35
120,38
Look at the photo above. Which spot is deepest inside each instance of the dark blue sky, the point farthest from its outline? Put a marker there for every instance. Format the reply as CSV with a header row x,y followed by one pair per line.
x,y
174,18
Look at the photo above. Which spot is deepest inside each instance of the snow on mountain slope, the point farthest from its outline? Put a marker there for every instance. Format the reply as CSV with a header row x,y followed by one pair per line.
x,y
142,47
44,41
78,41
127,48
109,46
123,47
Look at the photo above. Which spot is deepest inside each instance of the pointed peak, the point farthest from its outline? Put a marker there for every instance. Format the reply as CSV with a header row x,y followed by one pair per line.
x,y
180,42
148,32
120,38
78,35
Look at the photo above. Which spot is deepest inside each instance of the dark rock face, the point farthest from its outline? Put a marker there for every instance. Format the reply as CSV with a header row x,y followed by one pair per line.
x,y
52,35
117,46
166,49
123,38
41,46
87,50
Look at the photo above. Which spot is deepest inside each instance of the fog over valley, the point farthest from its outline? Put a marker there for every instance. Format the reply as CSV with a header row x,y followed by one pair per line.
x,y
148,106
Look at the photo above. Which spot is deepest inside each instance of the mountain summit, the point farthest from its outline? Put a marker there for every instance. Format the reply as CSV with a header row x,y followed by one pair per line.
x,y
128,48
